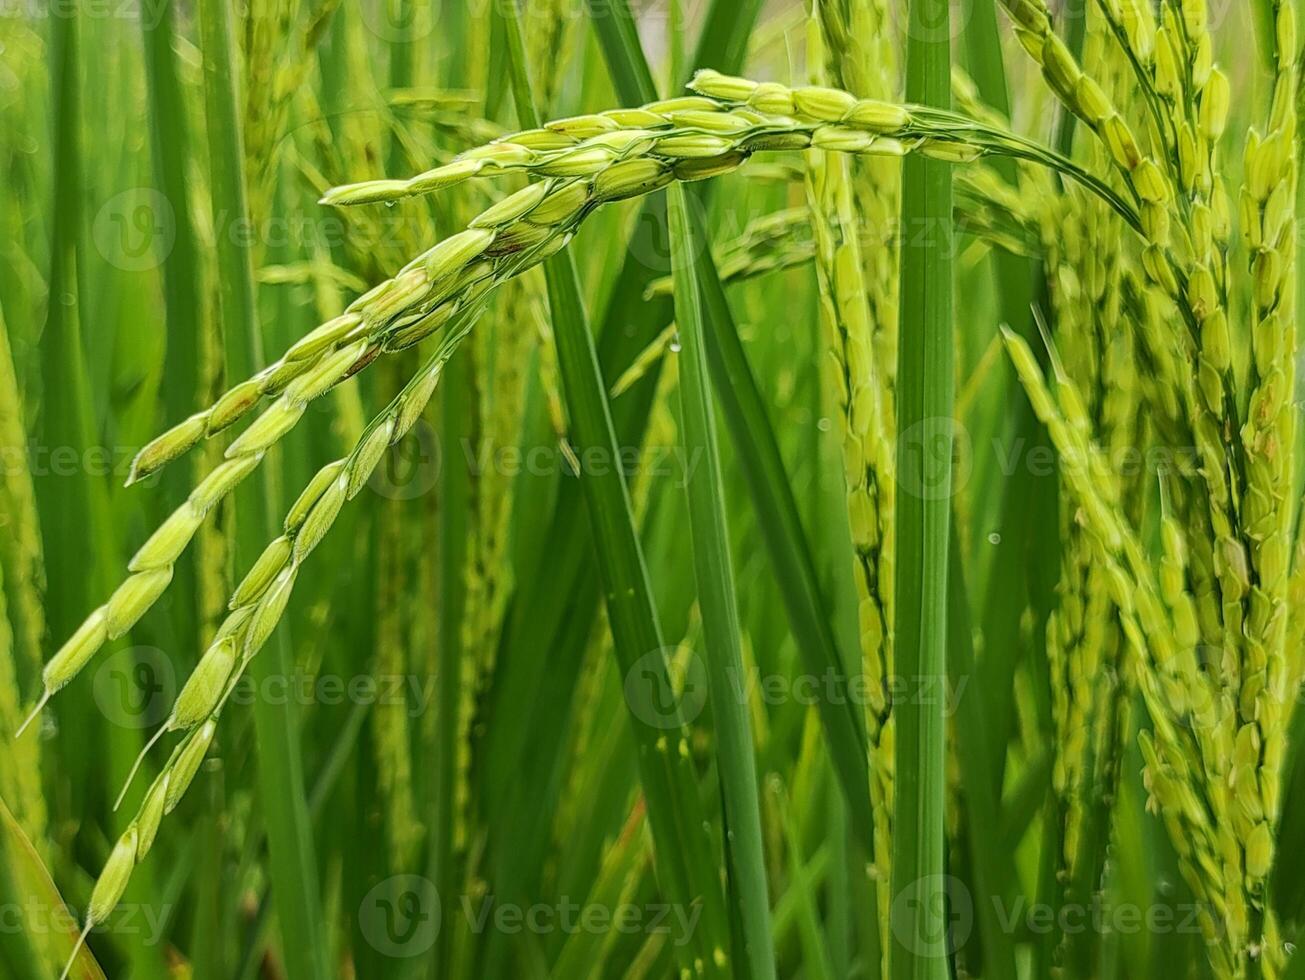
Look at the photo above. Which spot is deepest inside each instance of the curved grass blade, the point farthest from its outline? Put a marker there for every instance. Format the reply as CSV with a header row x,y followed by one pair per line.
x,y
29,885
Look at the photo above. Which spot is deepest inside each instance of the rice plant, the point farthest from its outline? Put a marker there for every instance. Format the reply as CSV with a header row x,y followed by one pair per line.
x,y
579,489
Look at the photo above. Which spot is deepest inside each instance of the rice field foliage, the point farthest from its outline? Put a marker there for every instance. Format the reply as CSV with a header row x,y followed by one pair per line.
x,y
581,488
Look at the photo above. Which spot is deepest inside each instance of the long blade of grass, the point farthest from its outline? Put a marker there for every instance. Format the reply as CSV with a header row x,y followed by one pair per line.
x,y
291,850
992,866
170,141
736,758
685,868
31,890
925,423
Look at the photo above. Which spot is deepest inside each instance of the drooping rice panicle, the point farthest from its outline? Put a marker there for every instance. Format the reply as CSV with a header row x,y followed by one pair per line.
x,y
257,606
443,289
1241,581
629,152
1270,672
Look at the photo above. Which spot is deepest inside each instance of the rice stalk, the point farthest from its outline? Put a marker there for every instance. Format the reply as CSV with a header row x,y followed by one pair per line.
x,y
1091,687
863,389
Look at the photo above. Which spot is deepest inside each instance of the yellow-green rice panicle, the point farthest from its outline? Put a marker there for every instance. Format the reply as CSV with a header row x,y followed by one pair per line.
x,y
1269,673
862,57
1182,705
858,377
